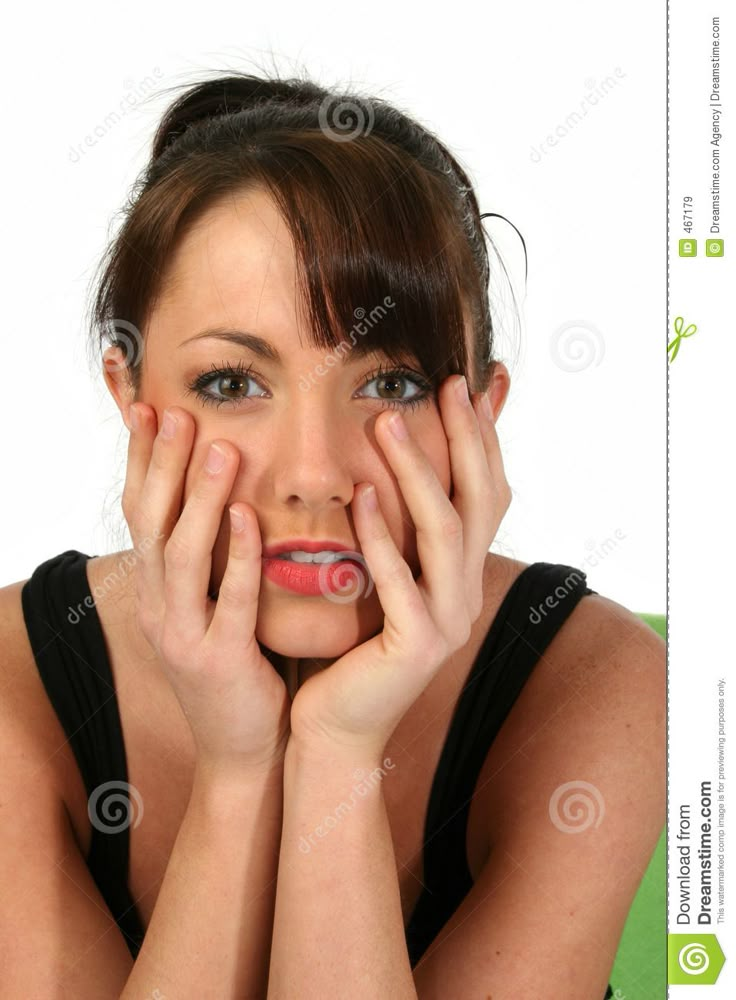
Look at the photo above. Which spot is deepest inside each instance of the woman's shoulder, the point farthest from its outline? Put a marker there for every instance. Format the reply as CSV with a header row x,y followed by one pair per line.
x,y
27,719
593,709
600,639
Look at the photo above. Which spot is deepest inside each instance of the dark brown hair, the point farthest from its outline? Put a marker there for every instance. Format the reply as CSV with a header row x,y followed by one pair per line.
x,y
378,209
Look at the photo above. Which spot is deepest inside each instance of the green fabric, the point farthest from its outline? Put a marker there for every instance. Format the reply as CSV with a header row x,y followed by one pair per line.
x,y
640,968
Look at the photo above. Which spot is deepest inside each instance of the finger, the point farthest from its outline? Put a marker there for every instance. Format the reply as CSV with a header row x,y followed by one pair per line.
x,y
159,503
188,553
408,623
140,442
474,497
439,530
233,624
500,488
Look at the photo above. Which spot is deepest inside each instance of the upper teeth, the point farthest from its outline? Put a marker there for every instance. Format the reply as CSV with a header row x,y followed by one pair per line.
x,y
327,555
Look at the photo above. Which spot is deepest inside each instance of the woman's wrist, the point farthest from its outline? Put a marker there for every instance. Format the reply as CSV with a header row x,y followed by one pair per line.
x,y
322,752
242,776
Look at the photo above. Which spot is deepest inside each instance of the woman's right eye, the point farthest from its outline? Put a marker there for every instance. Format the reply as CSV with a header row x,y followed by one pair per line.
x,y
236,375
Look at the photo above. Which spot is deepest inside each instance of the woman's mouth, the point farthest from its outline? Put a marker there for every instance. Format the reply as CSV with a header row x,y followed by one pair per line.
x,y
333,576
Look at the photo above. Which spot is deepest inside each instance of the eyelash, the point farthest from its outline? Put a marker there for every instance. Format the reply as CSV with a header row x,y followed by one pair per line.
x,y
225,370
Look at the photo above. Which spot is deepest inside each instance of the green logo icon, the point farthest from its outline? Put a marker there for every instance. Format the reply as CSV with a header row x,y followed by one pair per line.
x,y
674,345
688,248
714,248
693,959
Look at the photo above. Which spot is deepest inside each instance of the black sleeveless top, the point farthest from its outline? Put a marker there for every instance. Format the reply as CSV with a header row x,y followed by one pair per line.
x,y
70,652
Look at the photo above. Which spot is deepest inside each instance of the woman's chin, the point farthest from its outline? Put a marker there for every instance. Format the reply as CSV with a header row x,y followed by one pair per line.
x,y
289,646
334,637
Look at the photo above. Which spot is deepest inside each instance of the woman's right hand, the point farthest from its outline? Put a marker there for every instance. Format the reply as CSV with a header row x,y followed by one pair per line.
x,y
236,703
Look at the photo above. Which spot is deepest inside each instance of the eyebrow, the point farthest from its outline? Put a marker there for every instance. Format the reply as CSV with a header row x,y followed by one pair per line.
x,y
264,349
250,341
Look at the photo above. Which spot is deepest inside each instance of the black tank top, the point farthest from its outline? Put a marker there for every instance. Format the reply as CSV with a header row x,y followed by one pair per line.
x,y
68,644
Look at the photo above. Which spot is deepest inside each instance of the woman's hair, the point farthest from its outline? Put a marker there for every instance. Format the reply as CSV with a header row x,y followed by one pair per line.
x,y
384,221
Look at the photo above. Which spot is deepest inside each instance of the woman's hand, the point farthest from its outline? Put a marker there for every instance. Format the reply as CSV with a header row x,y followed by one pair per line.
x,y
359,699
235,702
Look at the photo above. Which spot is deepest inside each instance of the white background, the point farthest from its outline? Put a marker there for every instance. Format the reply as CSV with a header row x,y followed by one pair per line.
x,y
584,450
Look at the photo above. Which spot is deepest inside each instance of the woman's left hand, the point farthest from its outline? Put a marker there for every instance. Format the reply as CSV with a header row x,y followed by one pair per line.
x,y
357,702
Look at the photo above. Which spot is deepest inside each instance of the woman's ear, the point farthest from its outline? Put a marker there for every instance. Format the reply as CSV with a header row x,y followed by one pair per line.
x,y
115,373
498,388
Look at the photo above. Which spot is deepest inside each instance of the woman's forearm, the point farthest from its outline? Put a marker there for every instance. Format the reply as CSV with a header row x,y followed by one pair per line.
x,y
210,932
338,924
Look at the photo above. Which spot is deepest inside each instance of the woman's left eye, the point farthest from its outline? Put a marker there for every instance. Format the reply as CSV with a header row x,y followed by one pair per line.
x,y
399,375
237,376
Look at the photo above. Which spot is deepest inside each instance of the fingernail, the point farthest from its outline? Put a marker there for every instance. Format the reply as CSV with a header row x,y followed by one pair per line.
x,y
461,391
237,520
369,498
215,459
168,426
398,429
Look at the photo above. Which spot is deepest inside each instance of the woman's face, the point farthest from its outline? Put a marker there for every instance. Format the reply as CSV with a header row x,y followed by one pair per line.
x,y
302,452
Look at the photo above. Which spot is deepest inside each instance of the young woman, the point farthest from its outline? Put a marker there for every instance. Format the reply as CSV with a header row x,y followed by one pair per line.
x,y
309,737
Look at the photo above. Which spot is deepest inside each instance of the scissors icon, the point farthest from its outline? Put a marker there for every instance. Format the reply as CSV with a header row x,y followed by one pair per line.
x,y
679,323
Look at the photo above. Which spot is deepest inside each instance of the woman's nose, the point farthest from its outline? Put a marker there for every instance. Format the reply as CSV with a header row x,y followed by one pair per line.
x,y
313,459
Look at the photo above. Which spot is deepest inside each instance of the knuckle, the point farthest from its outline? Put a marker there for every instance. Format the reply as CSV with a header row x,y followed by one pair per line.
x,y
170,645
451,526
148,623
435,648
177,553
127,507
159,458
202,489
229,596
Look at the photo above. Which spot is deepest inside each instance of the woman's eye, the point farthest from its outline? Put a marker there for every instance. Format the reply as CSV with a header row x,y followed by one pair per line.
x,y
396,381
228,384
